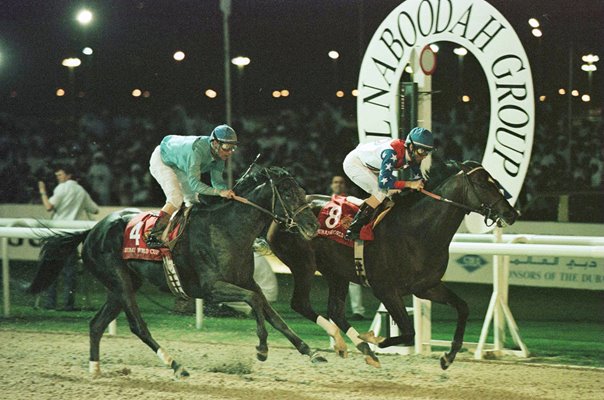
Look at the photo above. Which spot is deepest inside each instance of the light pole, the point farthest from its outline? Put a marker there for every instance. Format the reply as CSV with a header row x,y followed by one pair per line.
x,y
334,55
225,7
461,53
590,68
240,62
71,64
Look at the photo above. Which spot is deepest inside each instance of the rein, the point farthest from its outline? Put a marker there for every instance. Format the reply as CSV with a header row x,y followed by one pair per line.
x,y
288,220
484,209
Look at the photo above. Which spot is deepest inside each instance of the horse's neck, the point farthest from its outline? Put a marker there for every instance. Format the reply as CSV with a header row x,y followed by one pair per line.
x,y
439,220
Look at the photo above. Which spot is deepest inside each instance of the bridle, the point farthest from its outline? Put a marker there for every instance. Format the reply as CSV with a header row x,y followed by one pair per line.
x,y
289,219
485,210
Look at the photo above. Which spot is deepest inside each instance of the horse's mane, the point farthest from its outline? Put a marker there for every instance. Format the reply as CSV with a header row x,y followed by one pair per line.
x,y
440,171
244,185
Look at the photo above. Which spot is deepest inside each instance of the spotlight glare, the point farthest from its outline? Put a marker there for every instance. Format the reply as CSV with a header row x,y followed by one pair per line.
x,y
586,98
179,55
276,94
284,93
210,93
561,91
533,23
87,51
537,32
136,93
575,93
60,92
334,55
465,98
84,17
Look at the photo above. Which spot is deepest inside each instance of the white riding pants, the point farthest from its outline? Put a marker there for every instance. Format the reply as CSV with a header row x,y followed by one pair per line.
x,y
364,177
173,182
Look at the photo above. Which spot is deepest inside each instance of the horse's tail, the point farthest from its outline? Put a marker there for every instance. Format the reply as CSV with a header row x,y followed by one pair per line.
x,y
53,254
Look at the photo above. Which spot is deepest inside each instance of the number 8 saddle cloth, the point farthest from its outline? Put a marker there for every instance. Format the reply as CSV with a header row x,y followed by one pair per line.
x,y
337,215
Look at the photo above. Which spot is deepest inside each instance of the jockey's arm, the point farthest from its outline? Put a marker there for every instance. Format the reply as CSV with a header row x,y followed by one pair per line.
x,y
217,177
194,179
386,179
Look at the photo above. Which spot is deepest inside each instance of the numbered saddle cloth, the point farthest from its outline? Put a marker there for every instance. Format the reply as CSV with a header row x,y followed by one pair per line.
x,y
136,231
337,215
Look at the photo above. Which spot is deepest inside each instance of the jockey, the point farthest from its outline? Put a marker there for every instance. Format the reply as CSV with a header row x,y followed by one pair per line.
x,y
371,166
177,164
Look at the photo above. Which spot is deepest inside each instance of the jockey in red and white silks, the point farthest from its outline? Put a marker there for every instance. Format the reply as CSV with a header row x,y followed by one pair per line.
x,y
372,165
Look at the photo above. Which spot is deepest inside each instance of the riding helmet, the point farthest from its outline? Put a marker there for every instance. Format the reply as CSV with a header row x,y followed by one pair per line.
x,y
224,134
421,137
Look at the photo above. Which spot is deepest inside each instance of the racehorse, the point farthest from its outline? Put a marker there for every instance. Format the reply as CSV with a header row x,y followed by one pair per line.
x,y
409,255
214,256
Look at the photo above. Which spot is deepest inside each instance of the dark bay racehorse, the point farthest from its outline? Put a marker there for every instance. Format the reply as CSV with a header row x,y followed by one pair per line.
x,y
214,256
408,256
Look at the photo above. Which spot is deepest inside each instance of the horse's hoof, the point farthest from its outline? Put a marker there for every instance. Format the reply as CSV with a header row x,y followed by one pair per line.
x,y
181,373
95,369
340,346
373,361
444,361
370,337
262,356
317,358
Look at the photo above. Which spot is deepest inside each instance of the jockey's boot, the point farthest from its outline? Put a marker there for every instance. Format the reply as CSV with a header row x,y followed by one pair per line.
x,y
362,217
153,240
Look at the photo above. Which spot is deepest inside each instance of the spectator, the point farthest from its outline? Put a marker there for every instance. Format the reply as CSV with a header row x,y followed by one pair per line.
x,y
69,202
100,177
355,291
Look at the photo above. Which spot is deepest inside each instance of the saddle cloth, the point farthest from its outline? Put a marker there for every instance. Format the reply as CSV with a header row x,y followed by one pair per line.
x,y
337,215
135,248
136,231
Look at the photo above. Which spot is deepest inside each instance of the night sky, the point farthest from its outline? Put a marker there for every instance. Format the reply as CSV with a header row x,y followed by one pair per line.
x,y
287,41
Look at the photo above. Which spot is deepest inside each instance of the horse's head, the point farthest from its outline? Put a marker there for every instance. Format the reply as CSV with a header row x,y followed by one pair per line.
x,y
483,193
288,200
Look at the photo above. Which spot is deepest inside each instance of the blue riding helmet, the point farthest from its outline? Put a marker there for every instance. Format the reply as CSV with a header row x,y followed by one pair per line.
x,y
224,134
421,137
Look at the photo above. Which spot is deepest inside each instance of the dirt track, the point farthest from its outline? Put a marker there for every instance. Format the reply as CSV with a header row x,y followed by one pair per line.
x,y
54,366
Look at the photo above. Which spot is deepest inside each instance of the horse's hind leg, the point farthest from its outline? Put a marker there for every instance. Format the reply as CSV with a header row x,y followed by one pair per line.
x,y
279,324
443,295
227,292
108,312
138,325
336,305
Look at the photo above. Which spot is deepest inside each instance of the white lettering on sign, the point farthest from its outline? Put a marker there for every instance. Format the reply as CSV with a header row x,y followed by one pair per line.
x,y
483,31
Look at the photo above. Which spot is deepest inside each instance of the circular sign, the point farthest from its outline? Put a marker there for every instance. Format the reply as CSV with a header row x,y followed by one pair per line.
x,y
483,31
427,60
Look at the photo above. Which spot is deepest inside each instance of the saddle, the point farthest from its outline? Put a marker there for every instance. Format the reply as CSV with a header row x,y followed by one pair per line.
x,y
135,248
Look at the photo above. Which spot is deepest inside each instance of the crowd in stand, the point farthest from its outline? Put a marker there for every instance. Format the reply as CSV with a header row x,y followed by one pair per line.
x,y
110,153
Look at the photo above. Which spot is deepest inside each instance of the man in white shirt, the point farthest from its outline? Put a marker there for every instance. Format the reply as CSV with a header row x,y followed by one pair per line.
x,y
69,202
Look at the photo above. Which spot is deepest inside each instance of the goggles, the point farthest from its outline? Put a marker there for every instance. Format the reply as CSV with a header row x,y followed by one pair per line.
x,y
229,147
420,150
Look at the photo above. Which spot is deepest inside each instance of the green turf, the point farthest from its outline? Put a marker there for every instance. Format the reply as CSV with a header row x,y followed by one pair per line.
x,y
557,325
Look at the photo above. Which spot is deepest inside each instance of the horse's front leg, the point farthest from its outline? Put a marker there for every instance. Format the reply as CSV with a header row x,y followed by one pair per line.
x,y
443,295
224,292
279,324
393,301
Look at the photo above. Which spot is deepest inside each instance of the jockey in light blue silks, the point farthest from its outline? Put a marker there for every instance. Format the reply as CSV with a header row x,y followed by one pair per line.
x,y
177,164
371,166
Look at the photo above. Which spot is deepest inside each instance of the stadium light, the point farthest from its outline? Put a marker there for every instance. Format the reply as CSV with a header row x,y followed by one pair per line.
x,y
460,51
589,67
340,93
71,62
561,91
586,98
87,51
84,17
210,93
334,55
533,22
241,61
355,92
542,98
465,98
276,94
537,32
590,58
179,55
60,92
136,93
575,93
284,93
